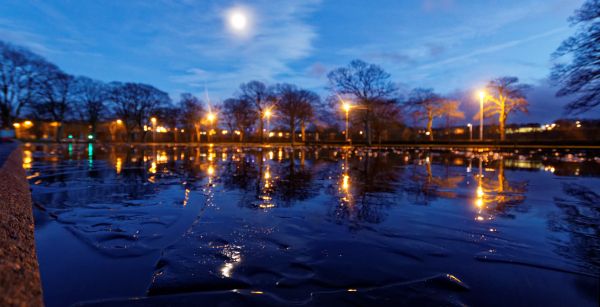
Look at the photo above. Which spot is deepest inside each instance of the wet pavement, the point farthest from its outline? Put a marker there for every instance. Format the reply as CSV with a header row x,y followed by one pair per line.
x,y
276,226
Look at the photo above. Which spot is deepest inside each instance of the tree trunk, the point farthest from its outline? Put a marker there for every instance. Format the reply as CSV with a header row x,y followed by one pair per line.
x,y
198,135
502,120
369,119
94,128
293,131
59,131
303,130
241,136
429,126
6,118
261,127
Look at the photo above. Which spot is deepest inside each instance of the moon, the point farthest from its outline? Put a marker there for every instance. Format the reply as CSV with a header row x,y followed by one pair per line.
x,y
238,21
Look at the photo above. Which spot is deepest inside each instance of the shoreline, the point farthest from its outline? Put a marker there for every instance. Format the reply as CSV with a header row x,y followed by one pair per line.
x,y
477,145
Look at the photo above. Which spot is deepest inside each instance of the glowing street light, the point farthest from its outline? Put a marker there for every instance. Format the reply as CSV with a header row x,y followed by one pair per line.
x,y
470,131
481,98
267,115
346,106
211,117
153,121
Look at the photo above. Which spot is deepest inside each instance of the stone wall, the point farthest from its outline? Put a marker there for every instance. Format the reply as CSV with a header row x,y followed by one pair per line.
x,y
19,274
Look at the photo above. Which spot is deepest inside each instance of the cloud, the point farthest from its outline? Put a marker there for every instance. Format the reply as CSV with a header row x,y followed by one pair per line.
x,y
280,37
317,70
492,48
434,5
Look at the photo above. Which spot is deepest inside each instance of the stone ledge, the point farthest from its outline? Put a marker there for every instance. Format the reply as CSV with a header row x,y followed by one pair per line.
x,y
19,273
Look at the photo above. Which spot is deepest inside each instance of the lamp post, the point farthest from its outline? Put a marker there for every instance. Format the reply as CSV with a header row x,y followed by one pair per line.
x,y
347,107
153,120
211,118
267,115
470,131
481,98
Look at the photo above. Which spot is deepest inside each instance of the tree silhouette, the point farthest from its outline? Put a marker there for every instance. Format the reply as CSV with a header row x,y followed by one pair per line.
x,y
581,77
134,104
426,103
507,96
239,114
258,94
53,97
21,72
367,83
192,110
295,107
90,97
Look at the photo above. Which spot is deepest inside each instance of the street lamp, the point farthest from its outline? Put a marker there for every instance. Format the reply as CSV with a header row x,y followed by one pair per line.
x,y
481,98
470,131
211,118
267,115
153,120
346,108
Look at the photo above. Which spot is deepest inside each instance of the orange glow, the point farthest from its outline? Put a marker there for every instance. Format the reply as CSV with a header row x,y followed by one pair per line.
x,y
346,107
268,113
346,182
118,165
481,95
479,191
27,159
211,117
119,122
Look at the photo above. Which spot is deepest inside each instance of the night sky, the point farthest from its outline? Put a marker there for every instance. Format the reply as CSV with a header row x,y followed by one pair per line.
x,y
189,46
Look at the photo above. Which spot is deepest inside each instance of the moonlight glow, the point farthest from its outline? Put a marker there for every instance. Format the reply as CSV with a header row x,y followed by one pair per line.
x,y
238,20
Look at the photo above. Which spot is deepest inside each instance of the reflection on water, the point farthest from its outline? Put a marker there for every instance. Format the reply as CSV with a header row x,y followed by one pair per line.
x,y
315,227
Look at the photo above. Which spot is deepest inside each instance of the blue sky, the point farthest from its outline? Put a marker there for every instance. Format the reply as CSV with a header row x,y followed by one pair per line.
x,y
186,46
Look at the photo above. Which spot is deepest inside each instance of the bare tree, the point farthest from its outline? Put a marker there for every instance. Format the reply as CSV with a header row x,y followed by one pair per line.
x,y
169,116
21,72
387,115
192,110
426,104
261,97
367,83
507,96
135,103
451,111
581,77
54,98
90,97
295,107
310,101
239,114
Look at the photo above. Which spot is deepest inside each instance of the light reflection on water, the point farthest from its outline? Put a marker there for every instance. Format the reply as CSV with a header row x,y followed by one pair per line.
x,y
292,222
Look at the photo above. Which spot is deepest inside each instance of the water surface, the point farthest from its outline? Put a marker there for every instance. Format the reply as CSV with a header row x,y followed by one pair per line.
x,y
276,226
